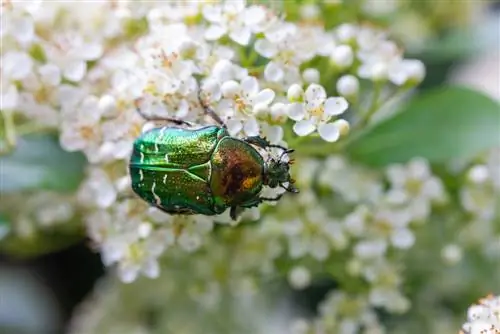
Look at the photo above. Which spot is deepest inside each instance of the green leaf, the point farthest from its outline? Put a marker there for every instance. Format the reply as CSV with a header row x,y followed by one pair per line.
x,y
43,241
4,227
444,124
38,162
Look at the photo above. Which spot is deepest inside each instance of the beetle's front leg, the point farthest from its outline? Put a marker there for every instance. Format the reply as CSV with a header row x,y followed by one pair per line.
x,y
234,212
264,143
258,141
159,119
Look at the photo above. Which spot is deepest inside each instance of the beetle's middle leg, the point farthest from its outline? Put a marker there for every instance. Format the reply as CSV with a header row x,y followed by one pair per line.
x,y
271,199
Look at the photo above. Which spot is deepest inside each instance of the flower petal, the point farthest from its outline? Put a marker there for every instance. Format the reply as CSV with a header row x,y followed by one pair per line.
x,y
234,126
329,132
335,106
251,127
241,36
214,32
250,86
296,111
75,70
265,48
265,96
304,127
273,72
315,92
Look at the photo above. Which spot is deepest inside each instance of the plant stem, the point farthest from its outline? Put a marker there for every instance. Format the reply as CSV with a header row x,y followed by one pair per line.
x,y
10,132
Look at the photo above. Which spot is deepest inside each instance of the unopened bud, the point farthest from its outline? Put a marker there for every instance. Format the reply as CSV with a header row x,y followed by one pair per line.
x,y
295,93
348,86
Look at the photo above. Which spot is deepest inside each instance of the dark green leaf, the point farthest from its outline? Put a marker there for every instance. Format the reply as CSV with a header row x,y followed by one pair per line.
x,y
38,162
447,123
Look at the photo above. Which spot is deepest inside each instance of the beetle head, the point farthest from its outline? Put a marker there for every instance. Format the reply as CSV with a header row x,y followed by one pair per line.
x,y
278,173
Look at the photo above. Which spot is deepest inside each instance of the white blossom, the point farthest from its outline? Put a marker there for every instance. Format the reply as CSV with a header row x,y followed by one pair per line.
x,y
315,113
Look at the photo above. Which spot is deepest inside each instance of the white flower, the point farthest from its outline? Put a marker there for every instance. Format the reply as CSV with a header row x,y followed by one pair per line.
x,y
407,71
232,18
81,128
315,112
299,277
451,254
241,103
483,317
16,65
416,183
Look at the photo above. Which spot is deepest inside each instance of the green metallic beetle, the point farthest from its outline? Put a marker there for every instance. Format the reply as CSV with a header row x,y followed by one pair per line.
x,y
182,170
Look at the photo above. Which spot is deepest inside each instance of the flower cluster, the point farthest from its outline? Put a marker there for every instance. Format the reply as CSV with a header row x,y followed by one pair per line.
x,y
91,74
484,317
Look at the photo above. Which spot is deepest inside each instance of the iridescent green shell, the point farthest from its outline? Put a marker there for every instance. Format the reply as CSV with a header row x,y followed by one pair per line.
x,y
195,171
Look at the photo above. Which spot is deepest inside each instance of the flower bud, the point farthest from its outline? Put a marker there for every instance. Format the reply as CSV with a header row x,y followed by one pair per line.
x,y
295,93
311,75
348,86
299,277
343,127
342,56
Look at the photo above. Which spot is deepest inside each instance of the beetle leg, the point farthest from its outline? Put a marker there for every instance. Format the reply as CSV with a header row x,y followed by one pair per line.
x,y
234,212
210,112
264,143
258,141
271,199
160,119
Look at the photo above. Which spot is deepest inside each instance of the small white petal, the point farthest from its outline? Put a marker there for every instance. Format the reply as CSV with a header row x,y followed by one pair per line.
x,y
230,89
214,32
265,48
273,72
304,127
212,13
234,126
329,132
128,274
90,52
250,86
315,92
251,127
403,238
265,96
16,65
9,98
241,36
335,106
296,111
51,74
151,269
274,134
24,30
75,70
254,15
